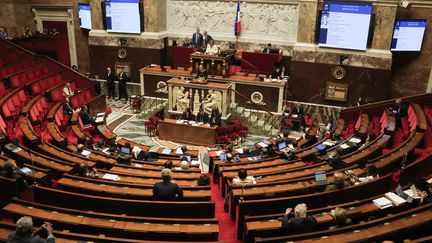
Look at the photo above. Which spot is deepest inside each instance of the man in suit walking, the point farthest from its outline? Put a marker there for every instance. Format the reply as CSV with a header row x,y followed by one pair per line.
x,y
197,39
110,78
122,77
206,39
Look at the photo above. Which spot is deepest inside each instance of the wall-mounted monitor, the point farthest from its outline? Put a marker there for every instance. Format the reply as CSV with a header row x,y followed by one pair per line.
x,y
123,16
408,34
84,14
345,25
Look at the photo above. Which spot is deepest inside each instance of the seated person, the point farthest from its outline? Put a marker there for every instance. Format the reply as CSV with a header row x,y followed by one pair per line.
x,y
334,159
67,90
188,115
212,48
166,190
340,216
203,180
372,174
202,116
24,228
54,31
215,118
80,149
168,164
100,145
184,150
339,182
85,171
27,32
299,222
264,153
242,178
202,73
184,163
283,74
10,170
67,108
424,190
246,151
85,116
229,158
275,73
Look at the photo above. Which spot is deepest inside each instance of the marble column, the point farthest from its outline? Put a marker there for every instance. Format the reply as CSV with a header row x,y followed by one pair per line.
x,y
96,14
429,84
308,10
385,14
154,15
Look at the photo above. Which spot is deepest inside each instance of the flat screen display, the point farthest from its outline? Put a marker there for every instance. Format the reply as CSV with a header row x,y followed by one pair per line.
x,y
345,25
84,14
408,34
123,16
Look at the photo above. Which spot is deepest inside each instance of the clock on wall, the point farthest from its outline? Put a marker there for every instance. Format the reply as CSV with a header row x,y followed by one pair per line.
x,y
122,53
338,72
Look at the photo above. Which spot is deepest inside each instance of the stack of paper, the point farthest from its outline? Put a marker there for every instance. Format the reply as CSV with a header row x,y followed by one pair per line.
x,y
328,143
239,150
382,203
263,145
395,199
179,151
111,177
85,153
344,146
195,162
355,140
105,150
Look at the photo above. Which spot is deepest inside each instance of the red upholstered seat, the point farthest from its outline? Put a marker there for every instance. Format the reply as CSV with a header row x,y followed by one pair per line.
x,y
231,132
240,129
222,135
151,125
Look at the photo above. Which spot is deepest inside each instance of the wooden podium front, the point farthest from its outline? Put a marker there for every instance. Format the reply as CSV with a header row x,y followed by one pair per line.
x,y
215,65
170,129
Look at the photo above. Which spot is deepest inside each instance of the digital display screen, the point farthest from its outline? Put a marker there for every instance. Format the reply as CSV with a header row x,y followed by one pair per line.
x,y
345,25
408,34
123,16
84,14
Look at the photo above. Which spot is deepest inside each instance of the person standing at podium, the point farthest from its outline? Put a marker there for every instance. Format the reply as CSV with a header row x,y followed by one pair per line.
x,y
202,116
197,39
212,48
202,73
110,78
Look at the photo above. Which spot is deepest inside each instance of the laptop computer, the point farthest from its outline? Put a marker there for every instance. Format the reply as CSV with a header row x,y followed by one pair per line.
x,y
282,145
125,150
321,178
187,157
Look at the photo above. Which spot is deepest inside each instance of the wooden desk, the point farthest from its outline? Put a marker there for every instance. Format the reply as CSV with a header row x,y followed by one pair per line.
x,y
170,130
215,65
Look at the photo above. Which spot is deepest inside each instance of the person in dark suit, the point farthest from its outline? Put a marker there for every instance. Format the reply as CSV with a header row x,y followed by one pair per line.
x,y
400,110
215,118
110,78
188,115
298,222
23,233
122,77
202,116
10,170
67,108
202,73
206,39
85,116
266,49
197,39
166,190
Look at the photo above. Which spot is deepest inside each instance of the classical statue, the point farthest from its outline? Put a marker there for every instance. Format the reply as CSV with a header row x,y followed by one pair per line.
x,y
182,99
211,101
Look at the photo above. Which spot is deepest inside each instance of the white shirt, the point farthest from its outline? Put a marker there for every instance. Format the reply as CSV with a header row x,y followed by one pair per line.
x,y
238,182
214,50
67,92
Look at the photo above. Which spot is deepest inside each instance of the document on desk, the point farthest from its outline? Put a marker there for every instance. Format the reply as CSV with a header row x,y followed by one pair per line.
x,y
382,202
179,151
263,145
355,140
12,148
85,153
166,151
344,146
111,177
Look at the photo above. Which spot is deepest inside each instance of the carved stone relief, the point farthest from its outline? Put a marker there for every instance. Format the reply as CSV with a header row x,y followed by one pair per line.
x,y
219,16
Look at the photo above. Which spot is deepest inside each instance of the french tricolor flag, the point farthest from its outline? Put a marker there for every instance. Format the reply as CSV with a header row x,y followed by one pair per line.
x,y
237,25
